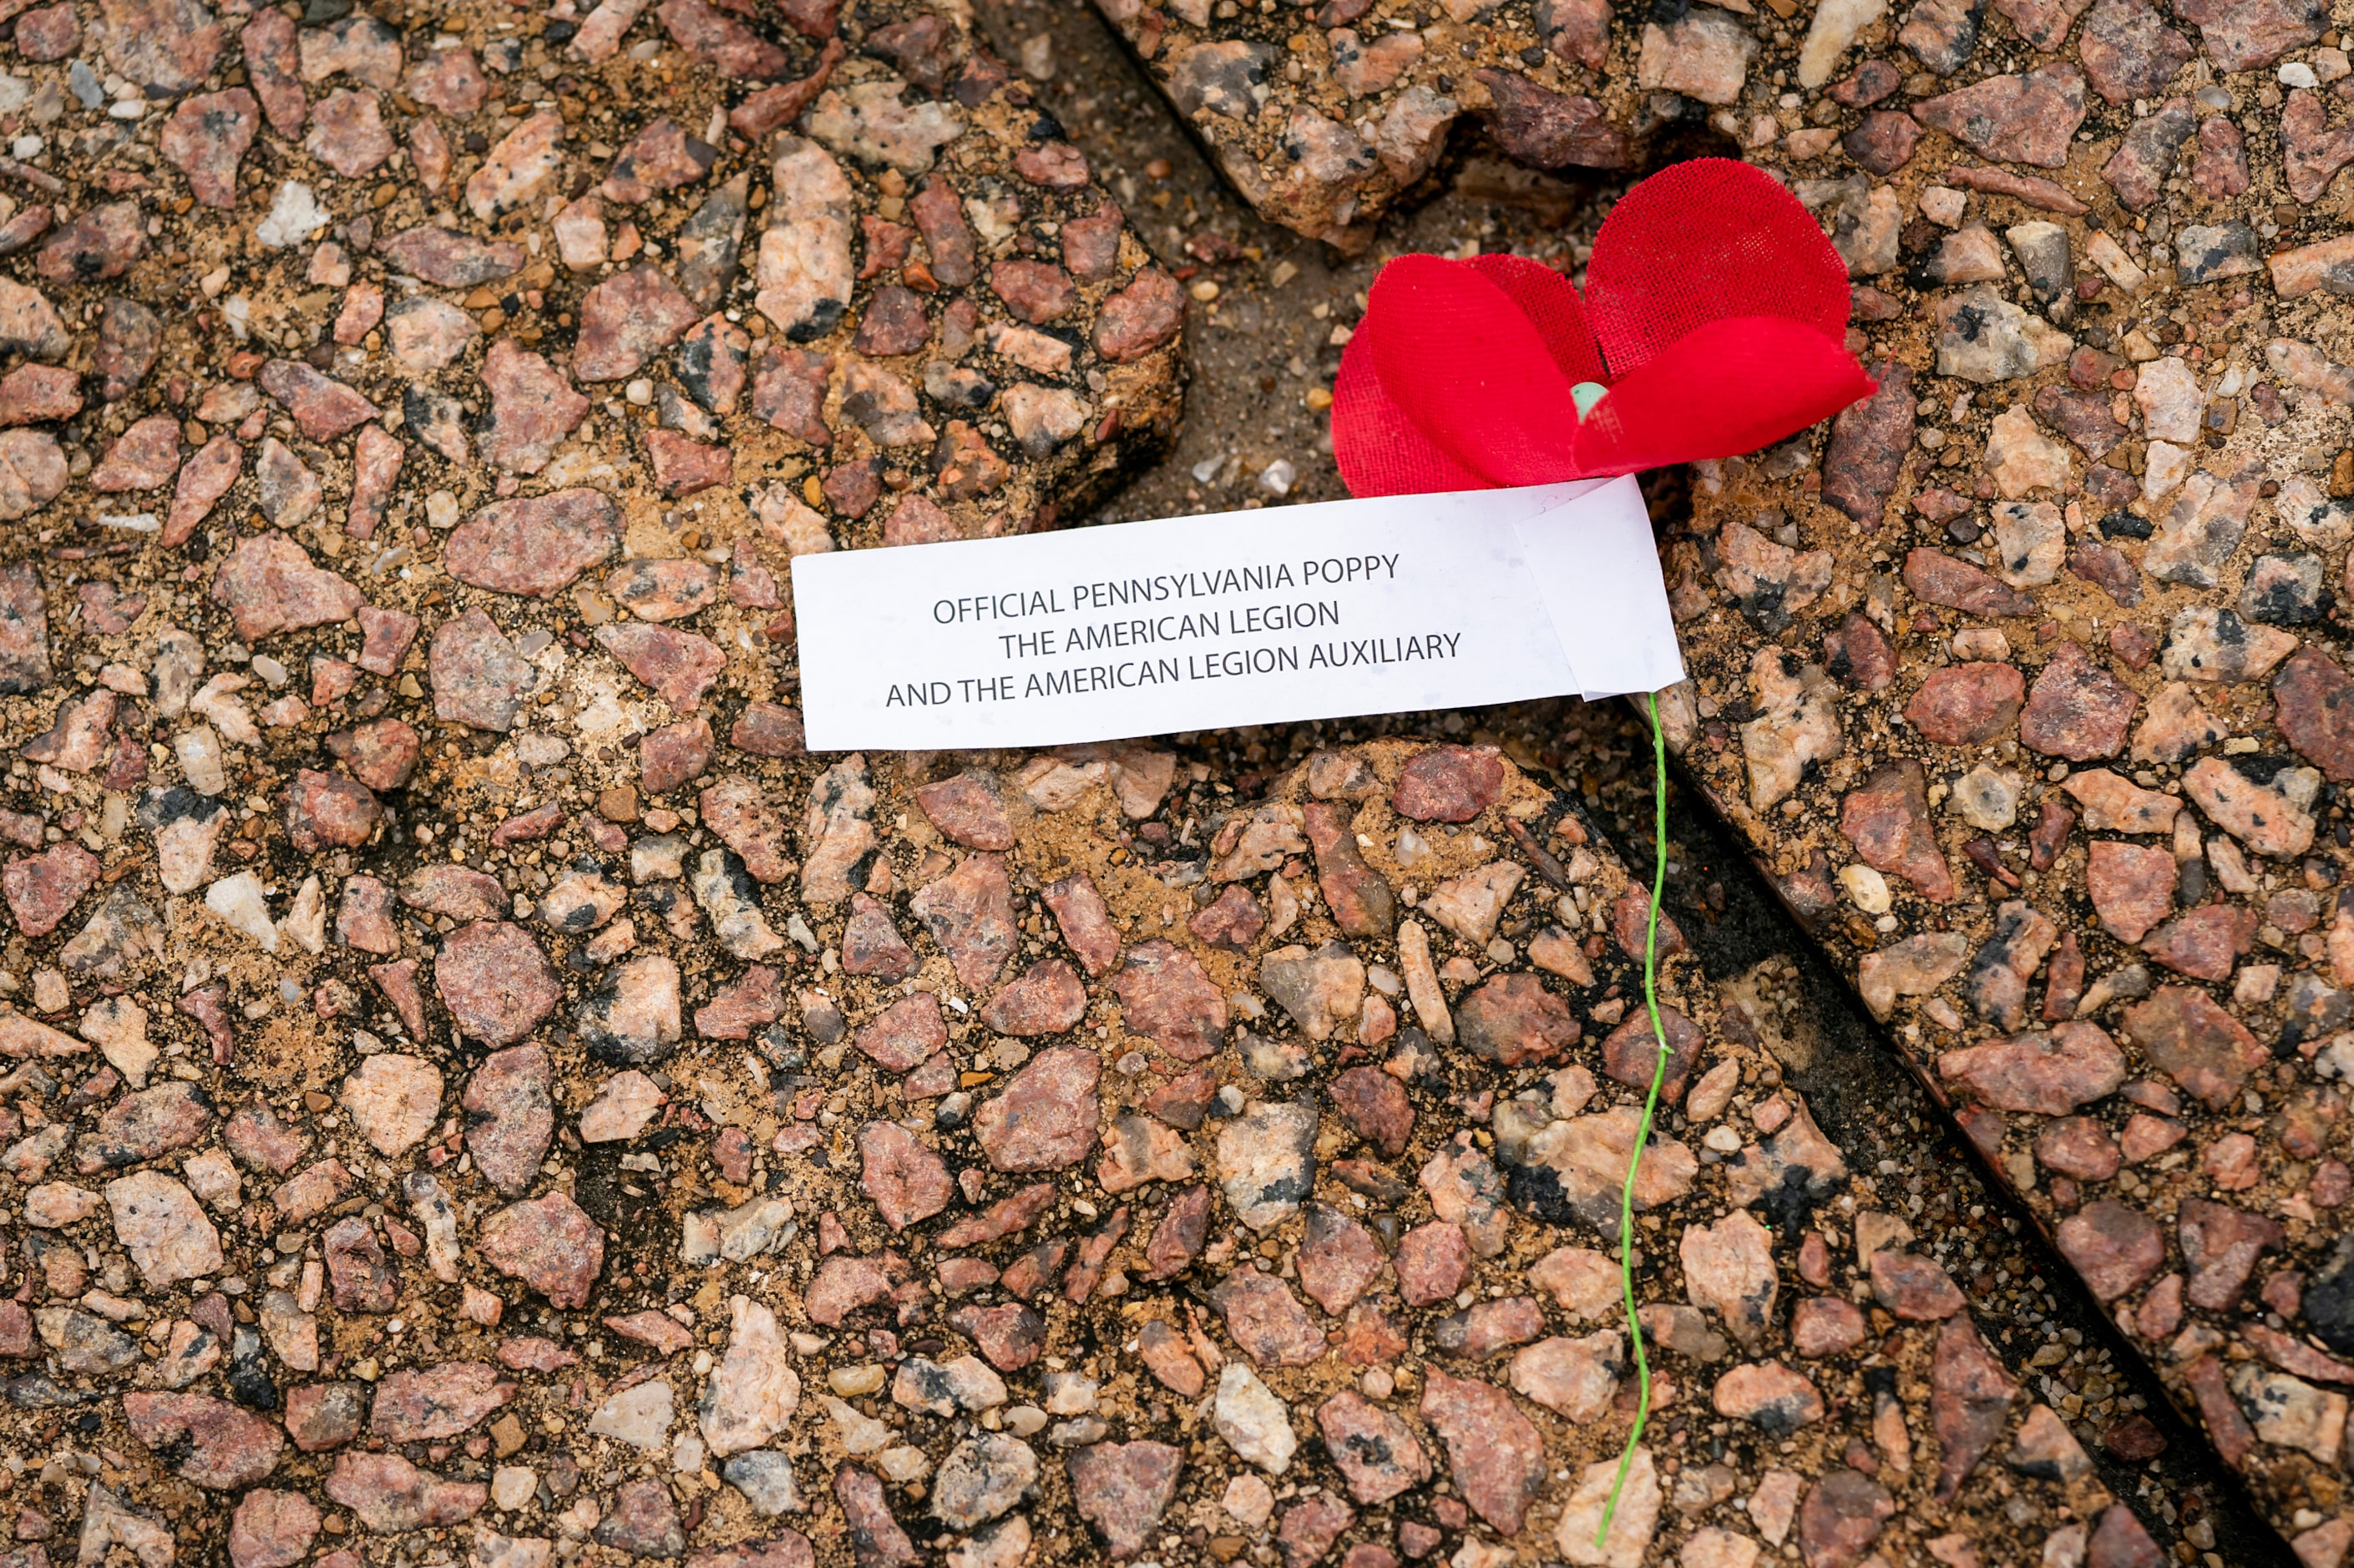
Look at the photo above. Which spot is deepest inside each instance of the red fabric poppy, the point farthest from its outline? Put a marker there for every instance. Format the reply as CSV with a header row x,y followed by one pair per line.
x,y
1714,314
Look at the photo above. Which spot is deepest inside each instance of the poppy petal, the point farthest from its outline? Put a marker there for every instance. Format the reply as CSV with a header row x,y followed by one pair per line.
x,y
1707,240
1551,301
1379,449
1724,388
1469,369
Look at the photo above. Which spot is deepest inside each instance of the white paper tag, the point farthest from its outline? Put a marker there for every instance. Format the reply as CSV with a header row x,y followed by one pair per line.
x,y
1392,605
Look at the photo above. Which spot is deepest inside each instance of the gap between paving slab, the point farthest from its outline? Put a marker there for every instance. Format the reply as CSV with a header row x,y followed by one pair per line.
x,y
1249,406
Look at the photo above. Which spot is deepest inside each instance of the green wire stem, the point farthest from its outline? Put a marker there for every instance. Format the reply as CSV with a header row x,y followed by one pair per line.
x,y
1650,1105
